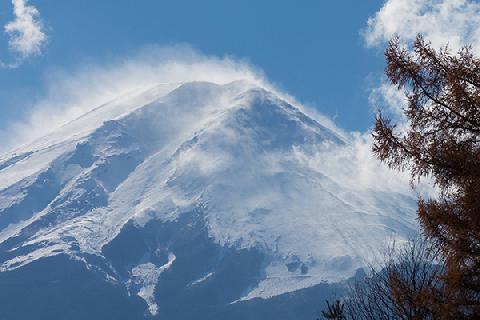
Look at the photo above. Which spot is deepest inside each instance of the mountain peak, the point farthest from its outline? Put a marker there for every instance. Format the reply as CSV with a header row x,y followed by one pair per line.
x,y
199,163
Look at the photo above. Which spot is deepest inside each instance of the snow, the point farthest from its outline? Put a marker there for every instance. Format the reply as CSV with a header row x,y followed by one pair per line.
x,y
202,279
235,152
145,277
44,150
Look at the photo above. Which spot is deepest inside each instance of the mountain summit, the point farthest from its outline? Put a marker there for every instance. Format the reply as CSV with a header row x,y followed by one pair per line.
x,y
183,200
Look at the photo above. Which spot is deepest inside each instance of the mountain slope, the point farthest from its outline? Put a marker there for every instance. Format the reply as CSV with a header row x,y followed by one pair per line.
x,y
177,192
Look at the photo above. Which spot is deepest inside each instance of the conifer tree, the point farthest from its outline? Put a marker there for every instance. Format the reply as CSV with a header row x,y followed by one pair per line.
x,y
442,141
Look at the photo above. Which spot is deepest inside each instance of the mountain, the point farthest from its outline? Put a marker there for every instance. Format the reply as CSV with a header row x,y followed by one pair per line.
x,y
181,202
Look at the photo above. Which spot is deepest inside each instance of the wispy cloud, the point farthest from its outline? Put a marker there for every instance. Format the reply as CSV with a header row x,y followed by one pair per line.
x,y
26,33
452,22
390,96
455,23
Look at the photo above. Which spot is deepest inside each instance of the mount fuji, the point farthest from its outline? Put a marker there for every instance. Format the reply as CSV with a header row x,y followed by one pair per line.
x,y
186,201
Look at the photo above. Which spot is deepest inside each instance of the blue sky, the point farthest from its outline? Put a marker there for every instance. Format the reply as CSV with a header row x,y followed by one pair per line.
x,y
314,50
327,54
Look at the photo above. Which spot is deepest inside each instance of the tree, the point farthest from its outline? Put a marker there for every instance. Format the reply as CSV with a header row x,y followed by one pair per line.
x,y
442,141
334,311
406,279
396,288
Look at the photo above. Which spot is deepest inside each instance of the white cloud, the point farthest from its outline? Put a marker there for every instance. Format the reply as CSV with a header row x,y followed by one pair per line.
x,y
456,22
26,35
354,165
388,98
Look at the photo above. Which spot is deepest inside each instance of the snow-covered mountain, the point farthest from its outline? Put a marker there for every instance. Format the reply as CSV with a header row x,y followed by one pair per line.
x,y
184,200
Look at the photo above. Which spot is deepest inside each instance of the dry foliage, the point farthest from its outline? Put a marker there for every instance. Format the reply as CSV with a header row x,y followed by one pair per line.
x,y
406,278
442,141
